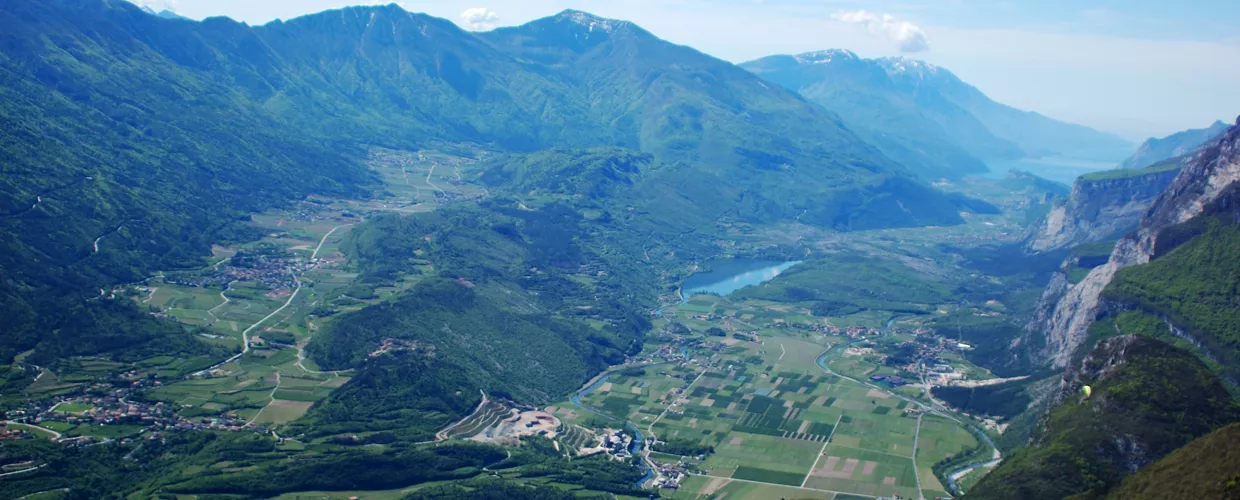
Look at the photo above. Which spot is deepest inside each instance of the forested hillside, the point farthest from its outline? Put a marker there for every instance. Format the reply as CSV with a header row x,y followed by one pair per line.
x,y
1192,287
121,161
1170,284
1205,468
139,140
1147,399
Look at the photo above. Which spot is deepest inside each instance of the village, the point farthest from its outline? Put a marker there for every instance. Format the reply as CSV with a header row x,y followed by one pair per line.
x,y
107,410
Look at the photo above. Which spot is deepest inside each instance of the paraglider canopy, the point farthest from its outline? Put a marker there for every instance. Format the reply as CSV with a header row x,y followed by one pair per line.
x,y
1087,391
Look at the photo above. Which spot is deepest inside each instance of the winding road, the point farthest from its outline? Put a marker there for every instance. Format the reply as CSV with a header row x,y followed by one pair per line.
x,y
323,240
245,339
55,435
211,311
431,184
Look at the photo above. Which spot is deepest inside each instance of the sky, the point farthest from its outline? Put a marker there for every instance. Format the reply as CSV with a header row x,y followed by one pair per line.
x,y
1137,68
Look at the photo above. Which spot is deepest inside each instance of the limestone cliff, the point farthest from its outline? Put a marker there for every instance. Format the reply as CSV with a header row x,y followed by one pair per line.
x,y
1101,206
1208,179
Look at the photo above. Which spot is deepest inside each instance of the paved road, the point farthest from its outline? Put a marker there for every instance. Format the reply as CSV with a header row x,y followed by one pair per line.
x,y
55,434
23,471
245,335
822,451
653,437
933,407
315,255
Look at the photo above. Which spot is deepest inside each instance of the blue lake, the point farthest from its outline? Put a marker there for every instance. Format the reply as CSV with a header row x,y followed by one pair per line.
x,y
1063,169
729,276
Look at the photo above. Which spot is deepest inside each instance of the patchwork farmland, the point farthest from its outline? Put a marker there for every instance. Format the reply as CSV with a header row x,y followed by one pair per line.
x,y
776,423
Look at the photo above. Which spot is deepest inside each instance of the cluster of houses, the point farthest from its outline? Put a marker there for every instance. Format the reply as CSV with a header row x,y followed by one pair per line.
x,y
271,271
670,475
854,331
8,433
113,408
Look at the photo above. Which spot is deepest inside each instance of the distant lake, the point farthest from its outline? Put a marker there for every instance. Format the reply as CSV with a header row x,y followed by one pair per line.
x,y
728,276
1063,169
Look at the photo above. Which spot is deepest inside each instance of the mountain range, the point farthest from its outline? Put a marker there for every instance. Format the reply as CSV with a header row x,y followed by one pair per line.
x,y
137,138
924,115
1155,150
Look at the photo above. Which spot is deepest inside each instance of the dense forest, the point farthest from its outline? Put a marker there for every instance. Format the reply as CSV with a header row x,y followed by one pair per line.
x,y
1193,285
518,305
258,467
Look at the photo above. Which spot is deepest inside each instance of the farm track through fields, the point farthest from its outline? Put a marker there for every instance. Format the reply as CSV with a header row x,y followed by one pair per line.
x,y
273,400
822,451
916,435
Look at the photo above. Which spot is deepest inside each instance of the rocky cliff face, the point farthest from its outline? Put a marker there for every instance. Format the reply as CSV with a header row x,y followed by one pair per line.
x,y
1208,179
1099,209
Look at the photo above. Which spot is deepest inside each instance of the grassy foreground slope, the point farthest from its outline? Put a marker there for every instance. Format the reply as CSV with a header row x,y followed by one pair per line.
x,y
1148,399
1208,467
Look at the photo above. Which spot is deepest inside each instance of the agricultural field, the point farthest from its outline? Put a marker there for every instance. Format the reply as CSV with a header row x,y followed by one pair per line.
x,y
703,487
939,438
780,425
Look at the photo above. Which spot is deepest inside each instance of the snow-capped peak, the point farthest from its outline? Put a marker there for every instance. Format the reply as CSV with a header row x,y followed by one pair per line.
x,y
591,21
826,56
904,65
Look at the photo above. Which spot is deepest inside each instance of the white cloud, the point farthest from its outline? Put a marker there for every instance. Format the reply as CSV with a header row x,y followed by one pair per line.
x,y
479,19
908,36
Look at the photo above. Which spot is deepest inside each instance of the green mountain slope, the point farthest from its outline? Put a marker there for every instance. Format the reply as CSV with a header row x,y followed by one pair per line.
x,y
514,304
1193,286
1148,399
1208,467
147,137
119,161
735,139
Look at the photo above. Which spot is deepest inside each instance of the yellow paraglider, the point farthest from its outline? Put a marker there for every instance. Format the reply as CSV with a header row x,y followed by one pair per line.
x,y
1087,391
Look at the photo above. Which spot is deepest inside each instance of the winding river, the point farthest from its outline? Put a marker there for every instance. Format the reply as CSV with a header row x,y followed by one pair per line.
x,y
951,482
638,439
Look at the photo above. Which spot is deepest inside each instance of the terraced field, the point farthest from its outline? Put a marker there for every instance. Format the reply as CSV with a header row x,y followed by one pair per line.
x,y
488,415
